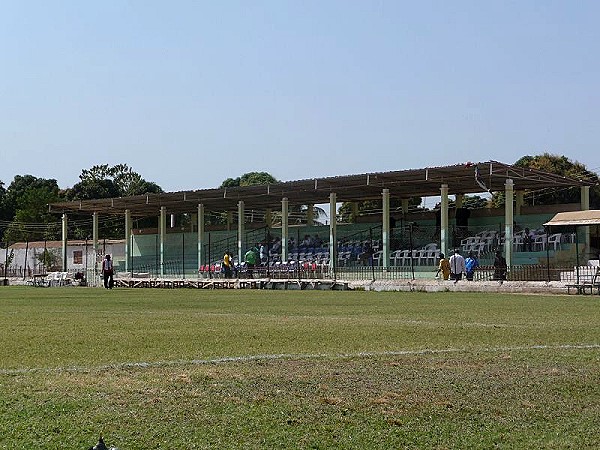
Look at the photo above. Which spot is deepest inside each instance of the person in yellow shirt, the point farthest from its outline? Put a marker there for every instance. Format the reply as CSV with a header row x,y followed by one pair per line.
x,y
444,267
227,264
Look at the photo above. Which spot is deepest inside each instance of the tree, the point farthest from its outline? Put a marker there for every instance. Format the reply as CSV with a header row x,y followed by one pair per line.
x,y
103,181
347,212
49,258
469,202
560,165
3,213
250,179
26,204
20,185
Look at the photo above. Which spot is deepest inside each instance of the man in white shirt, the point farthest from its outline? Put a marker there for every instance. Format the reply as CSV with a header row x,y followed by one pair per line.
x,y
457,266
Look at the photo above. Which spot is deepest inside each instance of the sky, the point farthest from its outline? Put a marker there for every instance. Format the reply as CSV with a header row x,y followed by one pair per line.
x,y
190,93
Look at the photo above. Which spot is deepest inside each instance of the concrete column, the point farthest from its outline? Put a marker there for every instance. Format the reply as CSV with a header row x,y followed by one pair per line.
x,y
444,236
284,229
268,217
229,220
241,230
128,249
508,221
95,240
200,234
64,243
385,233
585,206
332,231
310,215
458,200
518,202
162,226
405,206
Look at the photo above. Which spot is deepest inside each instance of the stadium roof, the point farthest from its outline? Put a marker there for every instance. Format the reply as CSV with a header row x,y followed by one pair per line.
x,y
467,178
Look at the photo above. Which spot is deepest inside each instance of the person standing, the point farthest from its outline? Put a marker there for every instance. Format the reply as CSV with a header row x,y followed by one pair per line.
x,y
444,267
500,267
457,266
227,263
250,258
471,263
107,272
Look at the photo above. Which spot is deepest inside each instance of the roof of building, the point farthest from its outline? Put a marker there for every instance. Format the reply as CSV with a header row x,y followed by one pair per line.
x,y
466,178
575,218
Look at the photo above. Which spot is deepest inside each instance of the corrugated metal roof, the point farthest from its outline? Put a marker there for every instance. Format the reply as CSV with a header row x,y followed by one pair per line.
x,y
575,218
466,178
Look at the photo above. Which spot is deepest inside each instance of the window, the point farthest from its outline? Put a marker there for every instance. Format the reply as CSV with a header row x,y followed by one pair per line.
x,y
77,257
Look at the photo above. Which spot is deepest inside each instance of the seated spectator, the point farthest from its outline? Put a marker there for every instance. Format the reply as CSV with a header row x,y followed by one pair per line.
x,y
528,239
276,248
317,241
291,244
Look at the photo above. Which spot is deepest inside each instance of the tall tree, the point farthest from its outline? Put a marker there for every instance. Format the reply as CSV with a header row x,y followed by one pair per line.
x,y
18,187
103,181
3,212
250,179
27,198
560,165
348,213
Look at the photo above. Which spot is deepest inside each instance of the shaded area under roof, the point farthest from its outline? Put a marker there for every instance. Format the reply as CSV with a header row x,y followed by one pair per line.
x,y
426,182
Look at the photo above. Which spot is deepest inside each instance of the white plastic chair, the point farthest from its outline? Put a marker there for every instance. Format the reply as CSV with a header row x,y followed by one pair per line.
x,y
395,257
539,244
555,240
377,256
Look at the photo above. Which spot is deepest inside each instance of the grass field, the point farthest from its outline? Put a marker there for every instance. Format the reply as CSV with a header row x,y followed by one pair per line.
x,y
185,369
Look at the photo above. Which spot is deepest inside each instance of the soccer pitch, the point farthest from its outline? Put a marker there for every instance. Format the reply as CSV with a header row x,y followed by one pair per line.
x,y
185,369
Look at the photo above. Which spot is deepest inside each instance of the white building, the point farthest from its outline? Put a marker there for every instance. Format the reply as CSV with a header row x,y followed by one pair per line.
x,y
27,258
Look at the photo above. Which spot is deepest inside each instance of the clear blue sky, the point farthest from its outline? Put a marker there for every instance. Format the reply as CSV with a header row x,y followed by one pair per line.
x,y
189,93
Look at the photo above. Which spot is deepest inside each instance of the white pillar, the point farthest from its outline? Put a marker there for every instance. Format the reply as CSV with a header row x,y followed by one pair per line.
x,y
405,206
508,220
200,235
128,247
518,202
332,231
95,240
64,242
385,233
229,220
241,228
163,233
268,218
585,206
284,229
310,215
444,238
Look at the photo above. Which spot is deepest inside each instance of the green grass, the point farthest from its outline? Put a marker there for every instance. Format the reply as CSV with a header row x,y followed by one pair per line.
x,y
183,369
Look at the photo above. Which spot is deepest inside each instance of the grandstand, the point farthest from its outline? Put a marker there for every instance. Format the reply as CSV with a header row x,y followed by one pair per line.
x,y
382,243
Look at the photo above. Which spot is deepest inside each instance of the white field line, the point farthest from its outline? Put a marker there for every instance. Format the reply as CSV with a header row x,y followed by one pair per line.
x,y
290,356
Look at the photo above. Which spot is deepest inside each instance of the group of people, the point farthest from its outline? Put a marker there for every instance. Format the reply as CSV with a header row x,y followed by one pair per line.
x,y
251,258
454,267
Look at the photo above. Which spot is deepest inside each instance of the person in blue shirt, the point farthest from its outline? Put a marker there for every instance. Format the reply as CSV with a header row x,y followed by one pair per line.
x,y
470,264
